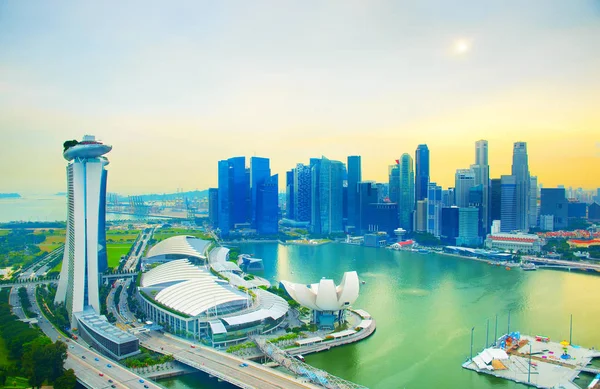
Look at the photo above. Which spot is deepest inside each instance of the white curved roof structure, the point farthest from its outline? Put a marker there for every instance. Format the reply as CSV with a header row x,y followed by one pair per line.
x,y
183,245
325,296
218,254
192,290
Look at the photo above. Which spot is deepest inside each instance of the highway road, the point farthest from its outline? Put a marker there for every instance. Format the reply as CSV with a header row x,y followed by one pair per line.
x,y
90,368
133,260
559,262
30,273
240,372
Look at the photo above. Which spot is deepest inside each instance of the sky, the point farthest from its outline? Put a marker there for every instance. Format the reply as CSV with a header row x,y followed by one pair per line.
x,y
176,86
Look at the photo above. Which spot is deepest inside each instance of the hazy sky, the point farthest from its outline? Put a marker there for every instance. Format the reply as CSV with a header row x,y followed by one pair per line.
x,y
176,86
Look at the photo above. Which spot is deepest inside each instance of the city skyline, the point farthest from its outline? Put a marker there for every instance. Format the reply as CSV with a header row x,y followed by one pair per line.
x,y
188,85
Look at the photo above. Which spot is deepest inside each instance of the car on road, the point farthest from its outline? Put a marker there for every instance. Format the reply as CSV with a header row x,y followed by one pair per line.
x,y
192,346
83,357
71,346
141,381
146,386
109,365
96,359
113,386
243,364
110,381
101,374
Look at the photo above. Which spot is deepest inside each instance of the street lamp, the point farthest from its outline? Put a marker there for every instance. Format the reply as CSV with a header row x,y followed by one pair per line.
x,y
472,330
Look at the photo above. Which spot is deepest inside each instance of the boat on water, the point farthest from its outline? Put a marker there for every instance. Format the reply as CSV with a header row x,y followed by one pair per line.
x,y
363,282
528,266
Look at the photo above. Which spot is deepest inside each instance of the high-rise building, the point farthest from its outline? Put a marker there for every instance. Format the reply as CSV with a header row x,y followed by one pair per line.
x,y
508,203
554,202
84,256
448,197
421,216
468,227
434,209
422,172
449,225
367,194
259,172
533,204
464,179
520,170
234,193
495,198
382,217
213,207
289,194
394,182
302,193
354,177
327,196
482,177
406,198
267,206
476,201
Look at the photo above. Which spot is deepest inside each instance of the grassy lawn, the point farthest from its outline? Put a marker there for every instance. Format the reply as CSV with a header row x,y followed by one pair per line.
x,y
16,383
162,234
114,252
53,240
4,232
121,236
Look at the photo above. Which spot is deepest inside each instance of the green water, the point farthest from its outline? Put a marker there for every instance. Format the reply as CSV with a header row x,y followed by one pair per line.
x,y
425,306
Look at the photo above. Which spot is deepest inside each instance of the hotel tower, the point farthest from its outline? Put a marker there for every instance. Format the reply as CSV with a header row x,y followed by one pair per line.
x,y
84,257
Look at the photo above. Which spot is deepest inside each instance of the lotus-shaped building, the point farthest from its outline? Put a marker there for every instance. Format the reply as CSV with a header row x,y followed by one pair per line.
x,y
327,301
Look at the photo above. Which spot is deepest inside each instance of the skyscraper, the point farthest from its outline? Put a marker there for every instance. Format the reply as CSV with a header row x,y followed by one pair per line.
x,y
259,172
464,179
533,205
302,193
327,196
420,216
422,172
508,207
394,182
234,193
406,194
520,170
434,209
482,177
354,177
85,253
213,206
367,194
289,194
223,191
495,198
554,202
267,207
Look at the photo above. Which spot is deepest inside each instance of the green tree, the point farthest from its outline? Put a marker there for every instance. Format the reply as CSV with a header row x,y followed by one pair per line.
x,y
2,377
66,381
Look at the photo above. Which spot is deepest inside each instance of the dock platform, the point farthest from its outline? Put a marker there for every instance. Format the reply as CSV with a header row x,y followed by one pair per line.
x,y
549,368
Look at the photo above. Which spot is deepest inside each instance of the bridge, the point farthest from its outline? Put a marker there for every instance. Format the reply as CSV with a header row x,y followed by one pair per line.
x,y
227,367
113,276
591,370
314,375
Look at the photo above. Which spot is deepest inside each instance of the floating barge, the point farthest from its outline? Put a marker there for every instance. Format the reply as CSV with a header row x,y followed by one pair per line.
x,y
534,361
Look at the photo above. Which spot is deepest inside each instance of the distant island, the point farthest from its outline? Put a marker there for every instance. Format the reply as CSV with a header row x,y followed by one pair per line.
x,y
10,196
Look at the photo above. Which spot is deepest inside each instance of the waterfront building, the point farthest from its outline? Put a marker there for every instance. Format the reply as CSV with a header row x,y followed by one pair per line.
x,y
508,201
422,172
421,216
406,194
482,177
188,300
554,202
464,179
213,207
382,217
327,301
533,202
375,239
468,227
289,194
394,182
367,194
523,243
354,177
450,220
434,209
520,171
84,257
302,193
496,227
327,196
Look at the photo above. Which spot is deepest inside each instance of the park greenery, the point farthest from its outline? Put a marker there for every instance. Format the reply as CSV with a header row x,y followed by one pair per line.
x,y
29,354
55,313
147,358
25,303
240,347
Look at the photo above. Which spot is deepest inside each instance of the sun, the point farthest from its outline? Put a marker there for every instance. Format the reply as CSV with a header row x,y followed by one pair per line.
x,y
462,46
